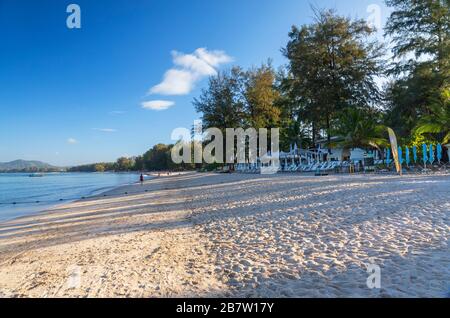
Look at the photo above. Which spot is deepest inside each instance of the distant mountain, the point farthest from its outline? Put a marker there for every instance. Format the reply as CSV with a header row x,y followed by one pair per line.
x,y
25,165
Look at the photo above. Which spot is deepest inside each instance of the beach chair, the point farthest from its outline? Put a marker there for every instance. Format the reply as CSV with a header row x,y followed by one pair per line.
x,y
314,167
332,166
329,166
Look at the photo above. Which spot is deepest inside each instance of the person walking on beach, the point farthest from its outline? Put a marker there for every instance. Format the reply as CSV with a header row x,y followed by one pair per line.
x,y
141,178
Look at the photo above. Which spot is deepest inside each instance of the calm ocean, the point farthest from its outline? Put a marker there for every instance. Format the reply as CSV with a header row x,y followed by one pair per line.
x,y
25,190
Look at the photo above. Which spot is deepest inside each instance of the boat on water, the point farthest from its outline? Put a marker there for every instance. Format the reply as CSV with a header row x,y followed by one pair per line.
x,y
36,175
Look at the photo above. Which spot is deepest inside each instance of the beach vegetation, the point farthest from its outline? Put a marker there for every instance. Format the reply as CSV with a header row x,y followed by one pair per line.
x,y
437,121
338,81
333,66
360,129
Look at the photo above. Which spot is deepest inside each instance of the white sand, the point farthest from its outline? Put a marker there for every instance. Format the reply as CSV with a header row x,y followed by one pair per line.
x,y
200,235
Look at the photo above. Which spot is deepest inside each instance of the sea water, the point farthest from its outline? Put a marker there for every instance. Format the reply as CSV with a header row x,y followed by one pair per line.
x,y
34,194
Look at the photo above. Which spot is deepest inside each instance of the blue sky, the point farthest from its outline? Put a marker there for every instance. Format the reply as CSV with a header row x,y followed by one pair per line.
x,y
73,96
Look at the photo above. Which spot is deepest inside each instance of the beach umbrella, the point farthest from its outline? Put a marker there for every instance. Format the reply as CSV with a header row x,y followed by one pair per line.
x,y
400,155
407,156
424,153
415,154
431,153
290,149
295,148
439,152
388,155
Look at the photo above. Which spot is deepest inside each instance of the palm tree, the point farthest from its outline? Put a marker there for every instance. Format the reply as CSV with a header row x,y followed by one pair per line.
x,y
360,129
438,121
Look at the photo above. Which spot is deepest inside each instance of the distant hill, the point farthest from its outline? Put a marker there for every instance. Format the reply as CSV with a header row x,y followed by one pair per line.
x,y
25,165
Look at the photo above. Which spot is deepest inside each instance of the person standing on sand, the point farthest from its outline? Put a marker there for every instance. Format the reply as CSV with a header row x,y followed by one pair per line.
x,y
141,178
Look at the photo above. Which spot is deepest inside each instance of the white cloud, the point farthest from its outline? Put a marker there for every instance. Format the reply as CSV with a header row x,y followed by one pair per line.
x,y
214,58
192,63
108,130
175,82
72,141
157,104
189,69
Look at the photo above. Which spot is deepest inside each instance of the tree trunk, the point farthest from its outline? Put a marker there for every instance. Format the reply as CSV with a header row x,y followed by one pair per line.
x,y
328,134
314,134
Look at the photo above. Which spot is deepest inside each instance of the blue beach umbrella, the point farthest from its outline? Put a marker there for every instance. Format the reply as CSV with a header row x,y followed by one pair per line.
x,y
400,155
388,155
439,152
407,156
431,153
424,153
415,154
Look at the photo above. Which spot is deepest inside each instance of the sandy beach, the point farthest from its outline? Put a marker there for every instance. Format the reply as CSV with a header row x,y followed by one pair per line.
x,y
236,235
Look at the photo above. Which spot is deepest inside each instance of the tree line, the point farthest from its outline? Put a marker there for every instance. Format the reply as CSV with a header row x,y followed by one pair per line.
x,y
330,86
156,159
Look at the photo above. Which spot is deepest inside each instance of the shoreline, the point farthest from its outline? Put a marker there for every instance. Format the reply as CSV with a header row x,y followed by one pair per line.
x,y
233,235
44,205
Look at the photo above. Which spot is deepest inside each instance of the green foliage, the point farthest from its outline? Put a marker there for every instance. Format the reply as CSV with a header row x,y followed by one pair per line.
x,y
417,140
95,167
261,97
239,98
139,164
99,167
420,32
360,129
333,66
437,122
423,29
158,158
408,99
124,164
222,104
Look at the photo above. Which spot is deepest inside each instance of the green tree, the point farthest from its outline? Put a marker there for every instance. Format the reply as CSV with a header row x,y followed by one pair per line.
x,y
407,99
420,32
438,121
293,126
139,163
334,65
158,158
99,167
261,97
421,28
124,164
221,103
360,129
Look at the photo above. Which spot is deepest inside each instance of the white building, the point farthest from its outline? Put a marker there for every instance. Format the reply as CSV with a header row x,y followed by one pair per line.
x,y
341,154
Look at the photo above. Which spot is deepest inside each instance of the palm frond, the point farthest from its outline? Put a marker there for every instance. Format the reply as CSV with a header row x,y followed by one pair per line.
x,y
429,127
446,139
